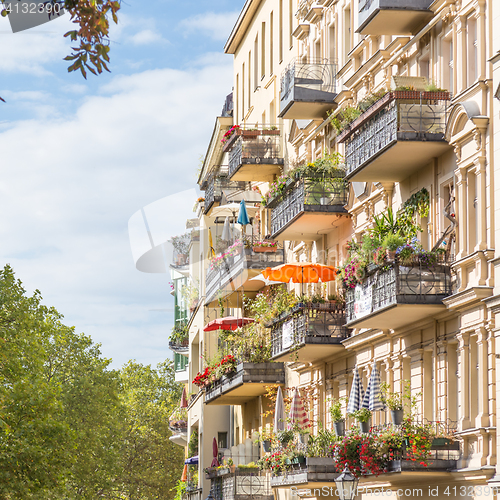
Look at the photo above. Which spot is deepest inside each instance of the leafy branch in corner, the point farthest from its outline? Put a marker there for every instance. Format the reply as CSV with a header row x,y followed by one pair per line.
x,y
92,18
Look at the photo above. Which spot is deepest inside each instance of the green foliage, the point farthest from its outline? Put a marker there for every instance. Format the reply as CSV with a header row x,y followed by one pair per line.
x,y
362,415
344,118
71,428
393,241
432,87
180,490
371,99
193,443
336,409
92,18
151,463
180,333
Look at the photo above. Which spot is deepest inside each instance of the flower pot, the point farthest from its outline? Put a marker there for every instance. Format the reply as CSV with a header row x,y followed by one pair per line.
x,y
250,133
298,460
339,428
364,427
397,416
391,254
264,249
324,200
266,445
270,132
441,442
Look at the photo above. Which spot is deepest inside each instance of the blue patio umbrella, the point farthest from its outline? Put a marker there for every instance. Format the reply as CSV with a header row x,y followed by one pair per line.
x,y
356,395
243,215
372,401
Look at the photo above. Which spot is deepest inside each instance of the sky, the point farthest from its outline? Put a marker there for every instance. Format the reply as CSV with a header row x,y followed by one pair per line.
x,y
79,158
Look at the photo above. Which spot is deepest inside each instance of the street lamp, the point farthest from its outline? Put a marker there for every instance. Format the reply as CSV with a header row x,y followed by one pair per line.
x,y
347,485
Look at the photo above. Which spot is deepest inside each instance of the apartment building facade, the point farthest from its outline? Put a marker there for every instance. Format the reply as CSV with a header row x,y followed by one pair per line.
x,y
408,93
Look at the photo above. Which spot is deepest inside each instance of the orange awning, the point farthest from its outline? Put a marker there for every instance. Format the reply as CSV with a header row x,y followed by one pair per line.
x,y
301,272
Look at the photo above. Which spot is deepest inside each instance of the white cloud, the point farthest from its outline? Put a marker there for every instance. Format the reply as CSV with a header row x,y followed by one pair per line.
x,y
71,181
147,37
217,26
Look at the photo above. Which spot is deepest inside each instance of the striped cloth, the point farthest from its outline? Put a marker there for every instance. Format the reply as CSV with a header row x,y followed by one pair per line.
x,y
297,413
279,412
372,401
356,395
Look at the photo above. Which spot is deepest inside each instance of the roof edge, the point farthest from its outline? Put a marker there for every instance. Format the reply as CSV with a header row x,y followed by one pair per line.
x,y
246,13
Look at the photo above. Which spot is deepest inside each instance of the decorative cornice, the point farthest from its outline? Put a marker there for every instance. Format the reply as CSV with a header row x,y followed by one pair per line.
x,y
468,297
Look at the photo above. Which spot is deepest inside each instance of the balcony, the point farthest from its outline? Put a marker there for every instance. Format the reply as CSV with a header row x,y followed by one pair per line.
x,y
247,382
396,136
255,154
397,295
241,484
393,17
308,333
230,272
315,473
307,90
309,207
217,183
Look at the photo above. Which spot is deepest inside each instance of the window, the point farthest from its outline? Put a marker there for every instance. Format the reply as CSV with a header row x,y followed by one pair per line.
x,y
471,63
222,440
249,80
447,62
347,33
256,63
243,87
263,52
271,40
331,43
281,31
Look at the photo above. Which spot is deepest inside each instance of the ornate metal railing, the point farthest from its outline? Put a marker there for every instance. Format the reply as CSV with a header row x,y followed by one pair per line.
x,y
246,373
216,183
311,80
318,194
308,323
244,484
401,115
231,265
416,283
255,147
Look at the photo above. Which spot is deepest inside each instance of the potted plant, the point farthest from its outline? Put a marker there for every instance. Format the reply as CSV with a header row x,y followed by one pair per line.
x,y
251,132
265,246
284,437
393,401
272,130
266,437
363,416
338,419
391,243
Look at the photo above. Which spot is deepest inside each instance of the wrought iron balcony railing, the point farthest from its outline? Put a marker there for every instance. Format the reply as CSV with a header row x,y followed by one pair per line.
x,y
398,285
230,389
315,325
218,182
403,117
313,194
255,154
228,267
400,118
241,484
307,89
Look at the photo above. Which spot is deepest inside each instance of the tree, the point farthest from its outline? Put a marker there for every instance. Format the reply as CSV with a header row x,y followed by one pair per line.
x,y
152,464
33,438
91,408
